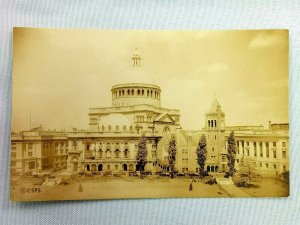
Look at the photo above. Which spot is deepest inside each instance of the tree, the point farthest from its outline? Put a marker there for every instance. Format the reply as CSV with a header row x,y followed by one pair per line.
x,y
142,154
246,172
201,154
172,155
231,153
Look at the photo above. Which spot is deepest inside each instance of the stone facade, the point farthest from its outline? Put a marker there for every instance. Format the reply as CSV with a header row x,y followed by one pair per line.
x,y
110,143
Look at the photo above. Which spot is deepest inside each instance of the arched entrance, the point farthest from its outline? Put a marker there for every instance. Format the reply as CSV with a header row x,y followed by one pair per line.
x,y
124,167
208,168
216,168
94,168
74,163
131,167
100,167
88,168
212,168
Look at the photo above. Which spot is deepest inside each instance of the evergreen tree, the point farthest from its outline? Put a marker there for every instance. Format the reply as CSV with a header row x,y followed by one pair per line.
x,y
142,154
172,155
231,153
201,154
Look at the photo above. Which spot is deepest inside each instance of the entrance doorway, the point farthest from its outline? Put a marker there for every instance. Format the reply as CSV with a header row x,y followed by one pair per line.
x,y
124,167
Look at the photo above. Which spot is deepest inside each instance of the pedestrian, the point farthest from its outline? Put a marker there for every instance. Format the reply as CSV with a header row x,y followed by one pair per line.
x,y
191,187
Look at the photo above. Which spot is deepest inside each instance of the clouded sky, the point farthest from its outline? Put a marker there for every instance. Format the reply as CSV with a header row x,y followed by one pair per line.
x,y
59,74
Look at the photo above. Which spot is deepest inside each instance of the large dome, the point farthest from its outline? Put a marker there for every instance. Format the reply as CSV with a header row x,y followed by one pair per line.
x,y
131,94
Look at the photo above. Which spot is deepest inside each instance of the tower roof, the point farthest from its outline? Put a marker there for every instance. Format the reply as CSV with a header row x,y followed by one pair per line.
x,y
214,107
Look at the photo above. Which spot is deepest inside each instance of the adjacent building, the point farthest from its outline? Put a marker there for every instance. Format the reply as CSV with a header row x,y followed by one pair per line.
x,y
109,146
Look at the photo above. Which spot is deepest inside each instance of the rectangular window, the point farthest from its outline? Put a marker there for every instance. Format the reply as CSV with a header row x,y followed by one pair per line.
x,y
274,166
184,161
215,137
284,168
261,153
248,153
260,164
267,165
223,158
255,152
13,154
284,154
267,152
283,144
267,145
237,160
13,163
247,143
29,154
274,144
274,154
260,145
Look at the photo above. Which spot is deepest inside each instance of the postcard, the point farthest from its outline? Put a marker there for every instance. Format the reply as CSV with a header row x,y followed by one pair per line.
x,y
116,114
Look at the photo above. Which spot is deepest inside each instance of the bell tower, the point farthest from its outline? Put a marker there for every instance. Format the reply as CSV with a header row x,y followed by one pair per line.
x,y
215,133
215,117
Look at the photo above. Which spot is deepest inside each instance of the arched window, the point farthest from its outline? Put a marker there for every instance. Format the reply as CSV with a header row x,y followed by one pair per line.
x,y
124,128
103,128
123,92
100,167
151,93
109,128
117,128
215,123
132,92
100,153
147,93
143,92
209,123
138,92
120,92
88,168
128,92
108,153
126,153
117,153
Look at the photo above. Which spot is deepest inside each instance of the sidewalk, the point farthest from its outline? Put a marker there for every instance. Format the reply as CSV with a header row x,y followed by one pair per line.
x,y
228,186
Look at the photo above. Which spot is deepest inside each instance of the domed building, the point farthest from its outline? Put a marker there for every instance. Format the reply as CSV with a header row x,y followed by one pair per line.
x,y
136,107
110,145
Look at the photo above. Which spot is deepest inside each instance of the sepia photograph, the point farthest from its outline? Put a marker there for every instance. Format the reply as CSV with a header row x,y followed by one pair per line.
x,y
118,114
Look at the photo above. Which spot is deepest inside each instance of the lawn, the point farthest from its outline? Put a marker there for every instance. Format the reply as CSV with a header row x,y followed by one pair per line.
x,y
110,188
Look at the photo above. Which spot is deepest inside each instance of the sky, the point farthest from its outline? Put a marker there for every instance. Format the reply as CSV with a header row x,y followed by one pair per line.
x,y
58,74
